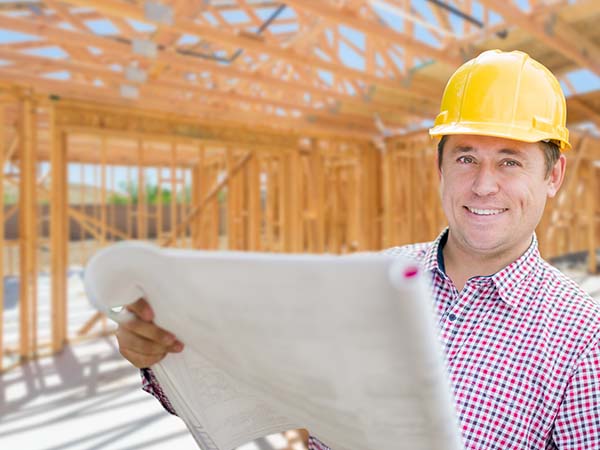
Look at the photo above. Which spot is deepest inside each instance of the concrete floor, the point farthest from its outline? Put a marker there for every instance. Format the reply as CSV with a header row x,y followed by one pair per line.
x,y
88,397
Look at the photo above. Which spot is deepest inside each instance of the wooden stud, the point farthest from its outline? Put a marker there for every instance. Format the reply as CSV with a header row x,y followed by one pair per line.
x,y
59,236
254,204
173,177
141,192
103,210
27,231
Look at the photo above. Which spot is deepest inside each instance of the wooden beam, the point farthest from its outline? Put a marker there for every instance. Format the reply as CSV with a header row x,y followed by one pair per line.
x,y
347,17
249,42
112,49
555,33
105,97
164,89
575,103
89,222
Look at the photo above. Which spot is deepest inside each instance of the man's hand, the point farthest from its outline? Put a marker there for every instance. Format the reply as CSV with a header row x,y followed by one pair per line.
x,y
141,342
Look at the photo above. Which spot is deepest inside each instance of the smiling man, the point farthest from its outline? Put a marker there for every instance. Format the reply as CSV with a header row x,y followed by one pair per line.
x,y
521,340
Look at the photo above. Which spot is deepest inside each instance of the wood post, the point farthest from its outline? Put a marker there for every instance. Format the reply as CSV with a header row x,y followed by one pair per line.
x,y
28,237
59,235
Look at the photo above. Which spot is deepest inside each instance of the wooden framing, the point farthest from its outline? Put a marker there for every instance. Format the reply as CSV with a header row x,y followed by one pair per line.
x,y
281,141
570,222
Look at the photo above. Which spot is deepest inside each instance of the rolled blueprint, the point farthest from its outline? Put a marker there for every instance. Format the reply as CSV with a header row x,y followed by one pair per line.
x,y
344,346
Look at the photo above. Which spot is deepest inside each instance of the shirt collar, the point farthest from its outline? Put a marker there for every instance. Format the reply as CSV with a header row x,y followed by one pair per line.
x,y
508,281
434,258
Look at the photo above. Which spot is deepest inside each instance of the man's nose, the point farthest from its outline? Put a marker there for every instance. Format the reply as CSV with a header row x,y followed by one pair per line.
x,y
485,181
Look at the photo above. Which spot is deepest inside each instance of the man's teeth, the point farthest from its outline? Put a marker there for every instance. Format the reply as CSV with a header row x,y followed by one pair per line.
x,y
485,212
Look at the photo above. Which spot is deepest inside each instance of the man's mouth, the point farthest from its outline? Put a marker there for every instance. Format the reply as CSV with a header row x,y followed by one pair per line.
x,y
486,212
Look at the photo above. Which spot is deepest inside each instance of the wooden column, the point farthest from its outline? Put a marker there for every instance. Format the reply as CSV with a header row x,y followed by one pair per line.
x,y
196,198
270,202
291,184
412,189
254,203
333,181
298,194
388,198
103,210
27,231
231,206
369,198
591,201
201,189
159,204
141,193
129,208
215,211
59,235
173,204
82,247
318,197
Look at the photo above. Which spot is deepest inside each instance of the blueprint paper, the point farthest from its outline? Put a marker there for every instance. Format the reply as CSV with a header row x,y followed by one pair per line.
x,y
343,346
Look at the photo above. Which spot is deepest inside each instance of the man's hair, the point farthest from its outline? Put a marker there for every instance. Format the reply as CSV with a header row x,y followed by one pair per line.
x,y
551,153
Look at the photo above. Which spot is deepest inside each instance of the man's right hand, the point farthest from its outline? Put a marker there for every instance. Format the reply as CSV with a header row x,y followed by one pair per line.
x,y
141,342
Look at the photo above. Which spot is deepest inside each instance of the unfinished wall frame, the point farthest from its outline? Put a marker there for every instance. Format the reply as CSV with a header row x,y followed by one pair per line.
x,y
200,185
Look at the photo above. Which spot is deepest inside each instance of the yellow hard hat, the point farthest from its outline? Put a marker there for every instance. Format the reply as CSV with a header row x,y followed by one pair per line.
x,y
504,94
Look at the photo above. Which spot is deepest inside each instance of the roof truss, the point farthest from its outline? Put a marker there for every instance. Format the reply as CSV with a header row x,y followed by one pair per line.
x,y
360,65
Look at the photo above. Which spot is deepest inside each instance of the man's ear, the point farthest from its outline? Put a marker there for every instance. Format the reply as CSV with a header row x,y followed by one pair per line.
x,y
557,175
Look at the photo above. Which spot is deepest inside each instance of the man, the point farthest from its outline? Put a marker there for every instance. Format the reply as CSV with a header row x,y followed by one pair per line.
x,y
521,340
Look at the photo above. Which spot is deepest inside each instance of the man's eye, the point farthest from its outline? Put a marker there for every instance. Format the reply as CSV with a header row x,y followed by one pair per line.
x,y
511,163
465,159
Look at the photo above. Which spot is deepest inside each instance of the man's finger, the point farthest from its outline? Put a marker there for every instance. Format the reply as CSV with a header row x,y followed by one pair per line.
x,y
149,331
135,343
142,309
141,360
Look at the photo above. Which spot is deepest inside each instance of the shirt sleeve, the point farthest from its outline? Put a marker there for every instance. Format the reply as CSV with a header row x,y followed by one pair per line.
x,y
577,424
151,385
315,444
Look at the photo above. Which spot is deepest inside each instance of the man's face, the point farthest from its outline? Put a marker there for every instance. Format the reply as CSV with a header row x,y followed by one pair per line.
x,y
494,191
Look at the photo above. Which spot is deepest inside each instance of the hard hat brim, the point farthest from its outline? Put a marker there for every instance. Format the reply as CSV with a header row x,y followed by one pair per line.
x,y
499,130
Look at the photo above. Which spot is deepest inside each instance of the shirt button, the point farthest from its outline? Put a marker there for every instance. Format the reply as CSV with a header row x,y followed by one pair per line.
x,y
452,317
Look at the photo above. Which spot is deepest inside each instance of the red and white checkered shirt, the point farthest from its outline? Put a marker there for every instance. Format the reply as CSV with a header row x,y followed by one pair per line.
x,y
522,349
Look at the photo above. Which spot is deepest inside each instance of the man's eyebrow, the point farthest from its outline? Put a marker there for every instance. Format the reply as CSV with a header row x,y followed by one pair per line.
x,y
512,152
463,149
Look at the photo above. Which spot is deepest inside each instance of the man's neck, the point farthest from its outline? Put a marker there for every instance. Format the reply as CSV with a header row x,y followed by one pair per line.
x,y
460,264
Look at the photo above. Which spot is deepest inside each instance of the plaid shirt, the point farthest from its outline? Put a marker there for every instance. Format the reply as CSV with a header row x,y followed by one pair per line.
x,y
522,350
